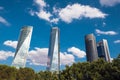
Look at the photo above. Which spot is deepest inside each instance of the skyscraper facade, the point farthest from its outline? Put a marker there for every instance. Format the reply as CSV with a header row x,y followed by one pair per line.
x,y
103,50
22,47
91,49
53,63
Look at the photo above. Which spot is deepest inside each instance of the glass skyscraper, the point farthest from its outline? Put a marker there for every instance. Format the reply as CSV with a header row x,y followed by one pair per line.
x,y
103,50
91,49
53,63
22,47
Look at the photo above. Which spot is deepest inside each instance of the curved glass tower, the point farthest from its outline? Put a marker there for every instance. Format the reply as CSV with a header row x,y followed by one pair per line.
x,y
22,47
53,63
91,49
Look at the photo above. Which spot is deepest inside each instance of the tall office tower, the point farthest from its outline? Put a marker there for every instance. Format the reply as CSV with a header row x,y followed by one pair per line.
x,y
103,50
22,47
53,63
91,49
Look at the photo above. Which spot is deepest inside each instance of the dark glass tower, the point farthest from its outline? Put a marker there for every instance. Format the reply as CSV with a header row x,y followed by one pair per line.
x,y
53,63
91,49
22,47
103,50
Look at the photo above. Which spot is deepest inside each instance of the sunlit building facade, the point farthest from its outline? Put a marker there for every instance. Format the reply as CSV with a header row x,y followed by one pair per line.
x,y
53,63
103,50
91,48
22,47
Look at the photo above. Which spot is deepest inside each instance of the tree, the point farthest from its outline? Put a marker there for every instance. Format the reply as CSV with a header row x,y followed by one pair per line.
x,y
25,74
7,73
96,70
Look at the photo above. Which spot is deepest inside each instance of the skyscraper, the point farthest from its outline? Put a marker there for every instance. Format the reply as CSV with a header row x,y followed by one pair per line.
x,y
53,63
91,49
22,47
103,50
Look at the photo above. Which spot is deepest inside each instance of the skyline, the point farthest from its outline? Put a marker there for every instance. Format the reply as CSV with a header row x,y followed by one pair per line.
x,y
74,18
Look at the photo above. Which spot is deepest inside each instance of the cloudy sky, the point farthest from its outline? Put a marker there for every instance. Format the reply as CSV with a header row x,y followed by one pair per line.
x,y
75,18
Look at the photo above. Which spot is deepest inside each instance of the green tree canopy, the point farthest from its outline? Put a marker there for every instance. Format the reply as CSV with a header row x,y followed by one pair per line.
x,y
97,70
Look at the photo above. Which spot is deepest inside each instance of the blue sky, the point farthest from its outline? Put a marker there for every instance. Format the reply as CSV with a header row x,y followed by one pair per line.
x,y
75,18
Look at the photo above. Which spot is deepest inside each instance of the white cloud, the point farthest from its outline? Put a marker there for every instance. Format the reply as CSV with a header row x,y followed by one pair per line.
x,y
78,11
117,41
66,59
67,14
55,20
99,32
5,54
31,12
11,43
44,15
56,10
39,57
3,21
77,52
40,3
109,2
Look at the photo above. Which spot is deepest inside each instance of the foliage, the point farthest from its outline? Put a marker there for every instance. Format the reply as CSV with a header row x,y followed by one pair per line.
x,y
97,70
